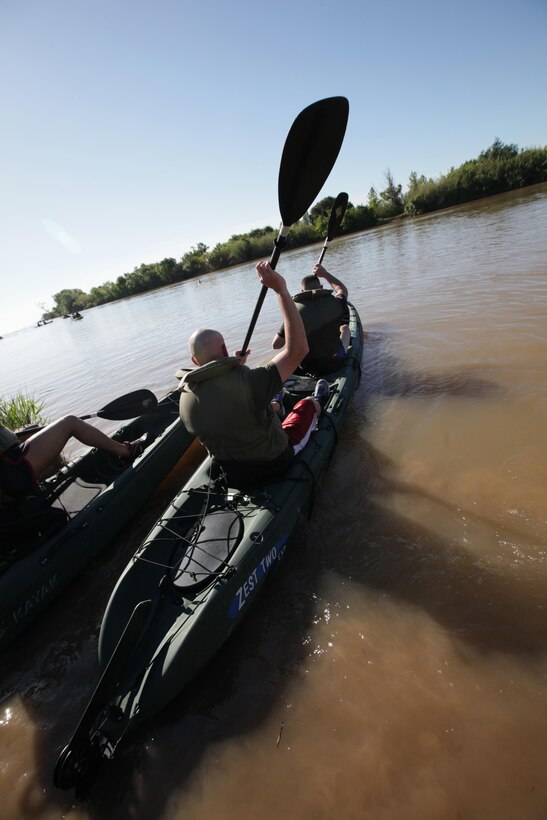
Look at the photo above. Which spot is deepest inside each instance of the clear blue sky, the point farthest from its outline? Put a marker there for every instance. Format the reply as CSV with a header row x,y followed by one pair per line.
x,y
131,131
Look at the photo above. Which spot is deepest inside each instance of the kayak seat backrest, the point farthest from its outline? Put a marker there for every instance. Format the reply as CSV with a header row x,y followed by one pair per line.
x,y
300,385
207,549
295,389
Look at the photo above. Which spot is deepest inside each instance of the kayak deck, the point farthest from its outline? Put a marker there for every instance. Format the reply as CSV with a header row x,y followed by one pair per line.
x,y
50,538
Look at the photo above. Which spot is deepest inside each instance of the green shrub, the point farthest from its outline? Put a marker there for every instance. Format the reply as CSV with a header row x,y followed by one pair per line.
x,y
500,168
20,411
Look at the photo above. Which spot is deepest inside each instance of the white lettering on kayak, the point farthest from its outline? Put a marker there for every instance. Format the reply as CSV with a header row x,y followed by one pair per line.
x,y
38,597
256,577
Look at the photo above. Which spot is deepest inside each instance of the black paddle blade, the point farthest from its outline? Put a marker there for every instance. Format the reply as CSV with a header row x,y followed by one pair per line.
x,y
129,406
335,220
337,214
310,151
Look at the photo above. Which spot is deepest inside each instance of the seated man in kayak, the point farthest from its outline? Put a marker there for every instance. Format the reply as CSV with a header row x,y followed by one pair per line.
x,y
22,462
229,405
325,316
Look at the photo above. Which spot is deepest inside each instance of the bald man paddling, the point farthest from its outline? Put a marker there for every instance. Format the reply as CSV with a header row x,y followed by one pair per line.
x,y
232,408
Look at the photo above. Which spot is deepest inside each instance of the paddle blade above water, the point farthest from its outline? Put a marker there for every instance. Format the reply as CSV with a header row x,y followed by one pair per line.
x,y
335,220
337,214
129,406
310,151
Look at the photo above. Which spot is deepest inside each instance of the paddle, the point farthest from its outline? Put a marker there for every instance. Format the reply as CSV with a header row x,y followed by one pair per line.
x,y
335,220
127,407
310,151
77,755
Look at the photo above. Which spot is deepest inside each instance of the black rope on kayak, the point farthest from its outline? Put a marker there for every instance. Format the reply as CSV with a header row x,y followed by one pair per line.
x,y
185,546
171,534
183,541
226,565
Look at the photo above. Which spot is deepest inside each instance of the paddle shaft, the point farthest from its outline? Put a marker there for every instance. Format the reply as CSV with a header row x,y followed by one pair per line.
x,y
116,663
323,252
104,689
274,259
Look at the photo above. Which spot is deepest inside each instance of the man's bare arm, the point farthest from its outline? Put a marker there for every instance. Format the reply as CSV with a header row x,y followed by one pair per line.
x,y
338,287
296,345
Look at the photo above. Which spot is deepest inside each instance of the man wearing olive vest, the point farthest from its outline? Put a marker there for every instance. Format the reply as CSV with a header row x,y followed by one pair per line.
x,y
325,316
232,408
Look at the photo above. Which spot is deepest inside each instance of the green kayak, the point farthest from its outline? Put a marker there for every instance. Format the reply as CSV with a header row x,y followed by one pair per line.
x,y
195,577
49,539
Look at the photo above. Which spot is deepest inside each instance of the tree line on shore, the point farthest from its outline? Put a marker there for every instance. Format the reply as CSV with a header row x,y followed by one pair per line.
x,y
501,167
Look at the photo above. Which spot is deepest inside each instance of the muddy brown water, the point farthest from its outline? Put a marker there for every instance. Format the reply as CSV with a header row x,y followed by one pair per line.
x,y
395,664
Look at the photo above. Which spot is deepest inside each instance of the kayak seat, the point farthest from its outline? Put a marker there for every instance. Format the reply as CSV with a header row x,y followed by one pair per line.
x,y
296,388
25,525
78,494
206,549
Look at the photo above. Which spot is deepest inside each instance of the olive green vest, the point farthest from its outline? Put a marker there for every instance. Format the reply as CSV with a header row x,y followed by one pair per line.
x,y
322,314
228,406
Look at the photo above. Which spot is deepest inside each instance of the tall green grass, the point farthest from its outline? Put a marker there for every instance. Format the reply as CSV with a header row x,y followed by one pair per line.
x,y
20,411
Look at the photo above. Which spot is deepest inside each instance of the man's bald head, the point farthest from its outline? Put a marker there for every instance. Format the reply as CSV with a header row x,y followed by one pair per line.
x,y
207,345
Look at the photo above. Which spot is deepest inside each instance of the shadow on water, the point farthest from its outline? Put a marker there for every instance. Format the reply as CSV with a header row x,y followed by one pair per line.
x,y
485,609
386,376
489,608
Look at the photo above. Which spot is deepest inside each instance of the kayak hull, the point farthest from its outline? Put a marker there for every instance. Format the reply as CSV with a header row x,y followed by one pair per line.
x,y
195,577
187,624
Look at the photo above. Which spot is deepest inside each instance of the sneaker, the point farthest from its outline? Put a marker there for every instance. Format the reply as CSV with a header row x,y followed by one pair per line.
x,y
279,399
135,449
322,393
